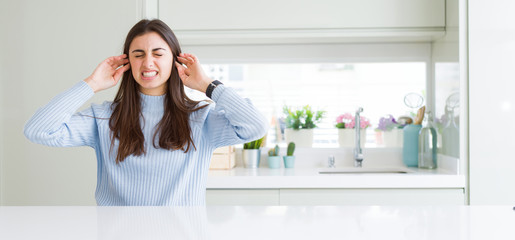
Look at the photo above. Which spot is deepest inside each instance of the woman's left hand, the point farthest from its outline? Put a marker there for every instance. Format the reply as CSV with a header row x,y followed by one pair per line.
x,y
193,76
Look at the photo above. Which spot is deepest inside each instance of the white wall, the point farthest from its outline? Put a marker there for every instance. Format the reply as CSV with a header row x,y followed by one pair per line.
x,y
3,29
48,46
492,102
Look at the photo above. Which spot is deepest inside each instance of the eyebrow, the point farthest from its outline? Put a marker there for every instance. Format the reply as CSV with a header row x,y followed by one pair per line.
x,y
153,50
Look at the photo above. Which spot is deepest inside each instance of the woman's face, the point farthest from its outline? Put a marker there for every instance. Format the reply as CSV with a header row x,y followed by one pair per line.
x,y
151,62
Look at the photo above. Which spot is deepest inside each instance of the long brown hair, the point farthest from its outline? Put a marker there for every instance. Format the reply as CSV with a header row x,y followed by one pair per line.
x,y
173,130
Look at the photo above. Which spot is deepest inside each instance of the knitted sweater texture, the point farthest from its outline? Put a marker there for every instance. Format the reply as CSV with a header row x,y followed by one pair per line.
x,y
160,177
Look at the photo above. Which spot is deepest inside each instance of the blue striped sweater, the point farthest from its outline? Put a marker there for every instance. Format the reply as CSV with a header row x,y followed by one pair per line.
x,y
160,177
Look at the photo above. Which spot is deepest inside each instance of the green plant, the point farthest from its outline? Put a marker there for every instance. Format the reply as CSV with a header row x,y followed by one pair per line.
x,y
274,151
304,118
291,149
256,144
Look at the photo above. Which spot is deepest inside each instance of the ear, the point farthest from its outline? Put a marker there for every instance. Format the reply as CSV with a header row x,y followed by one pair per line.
x,y
182,71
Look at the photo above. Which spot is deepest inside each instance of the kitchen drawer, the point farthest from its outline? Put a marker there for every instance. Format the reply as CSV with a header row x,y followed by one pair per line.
x,y
372,196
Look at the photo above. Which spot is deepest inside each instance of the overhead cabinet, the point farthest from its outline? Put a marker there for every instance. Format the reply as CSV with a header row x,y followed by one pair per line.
x,y
271,21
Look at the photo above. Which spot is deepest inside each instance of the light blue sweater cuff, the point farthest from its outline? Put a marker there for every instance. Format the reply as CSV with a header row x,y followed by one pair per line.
x,y
217,92
78,94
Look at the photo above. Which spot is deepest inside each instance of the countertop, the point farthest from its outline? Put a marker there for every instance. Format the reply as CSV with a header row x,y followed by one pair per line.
x,y
309,160
253,222
266,178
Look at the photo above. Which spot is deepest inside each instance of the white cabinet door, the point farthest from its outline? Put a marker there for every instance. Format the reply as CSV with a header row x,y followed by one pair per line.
x,y
491,57
294,21
239,197
320,197
295,14
372,197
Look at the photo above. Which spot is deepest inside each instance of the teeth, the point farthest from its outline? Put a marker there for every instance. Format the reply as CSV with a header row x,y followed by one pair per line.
x,y
149,74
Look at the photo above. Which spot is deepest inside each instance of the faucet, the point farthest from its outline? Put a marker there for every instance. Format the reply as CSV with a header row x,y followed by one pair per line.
x,y
358,154
331,162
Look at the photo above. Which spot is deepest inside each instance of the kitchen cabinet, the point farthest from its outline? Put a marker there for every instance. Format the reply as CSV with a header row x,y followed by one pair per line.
x,y
491,57
311,197
319,197
269,21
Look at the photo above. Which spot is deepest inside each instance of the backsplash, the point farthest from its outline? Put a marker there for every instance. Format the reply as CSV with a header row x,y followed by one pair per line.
x,y
344,157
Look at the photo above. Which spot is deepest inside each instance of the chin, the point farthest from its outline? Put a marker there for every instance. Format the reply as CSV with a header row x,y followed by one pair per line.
x,y
150,87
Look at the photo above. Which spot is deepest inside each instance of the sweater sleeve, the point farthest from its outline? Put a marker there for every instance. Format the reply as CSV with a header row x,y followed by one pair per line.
x,y
56,124
234,120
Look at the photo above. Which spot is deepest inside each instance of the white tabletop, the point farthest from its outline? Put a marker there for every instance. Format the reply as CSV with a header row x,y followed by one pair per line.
x,y
252,222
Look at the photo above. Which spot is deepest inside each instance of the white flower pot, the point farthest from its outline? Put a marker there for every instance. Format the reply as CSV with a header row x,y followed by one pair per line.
x,y
301,137
379,138
393,138
346,137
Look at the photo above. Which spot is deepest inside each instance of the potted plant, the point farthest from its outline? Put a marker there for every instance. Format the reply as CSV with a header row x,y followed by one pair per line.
x,y
391,131
346,133
289,159
252,153
274,160
300,124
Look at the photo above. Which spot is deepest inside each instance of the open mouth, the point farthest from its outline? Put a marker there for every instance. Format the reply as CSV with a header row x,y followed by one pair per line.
x,y
149,74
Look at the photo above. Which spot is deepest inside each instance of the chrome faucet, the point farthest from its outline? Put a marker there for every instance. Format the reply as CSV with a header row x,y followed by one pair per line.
x,y
331,162
358,154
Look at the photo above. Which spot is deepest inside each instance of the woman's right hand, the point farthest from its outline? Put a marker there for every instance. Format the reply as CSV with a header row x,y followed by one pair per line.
x,y
108,73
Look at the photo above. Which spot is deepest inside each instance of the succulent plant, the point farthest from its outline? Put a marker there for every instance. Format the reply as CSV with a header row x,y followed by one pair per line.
x,y
291,149
256,144
274,151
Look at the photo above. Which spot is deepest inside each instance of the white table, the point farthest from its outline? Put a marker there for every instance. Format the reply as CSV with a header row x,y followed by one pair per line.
x,y
279,222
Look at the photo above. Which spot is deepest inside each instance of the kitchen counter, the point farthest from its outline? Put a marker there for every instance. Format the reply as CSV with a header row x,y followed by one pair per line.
x,y
252,222
309,160
266,178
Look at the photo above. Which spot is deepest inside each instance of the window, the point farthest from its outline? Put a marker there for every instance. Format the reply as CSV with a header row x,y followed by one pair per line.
x,y
336,88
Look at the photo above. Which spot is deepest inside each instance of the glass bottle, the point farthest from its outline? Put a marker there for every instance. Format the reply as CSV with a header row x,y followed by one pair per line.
x,y
427,144
451,136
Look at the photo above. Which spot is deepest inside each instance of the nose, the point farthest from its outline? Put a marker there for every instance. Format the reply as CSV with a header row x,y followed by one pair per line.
x,y
148,62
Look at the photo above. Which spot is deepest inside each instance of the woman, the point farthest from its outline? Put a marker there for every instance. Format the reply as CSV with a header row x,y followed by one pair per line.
x,y
153,144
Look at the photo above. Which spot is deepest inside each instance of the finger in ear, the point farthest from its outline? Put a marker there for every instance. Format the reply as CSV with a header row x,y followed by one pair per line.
x,y
179,67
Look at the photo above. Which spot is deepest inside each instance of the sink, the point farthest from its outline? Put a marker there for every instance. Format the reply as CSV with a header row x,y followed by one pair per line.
x,y
357,170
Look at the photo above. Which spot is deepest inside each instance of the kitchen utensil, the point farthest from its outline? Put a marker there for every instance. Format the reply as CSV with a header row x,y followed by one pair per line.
x,y
413,100
420,116
453,101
